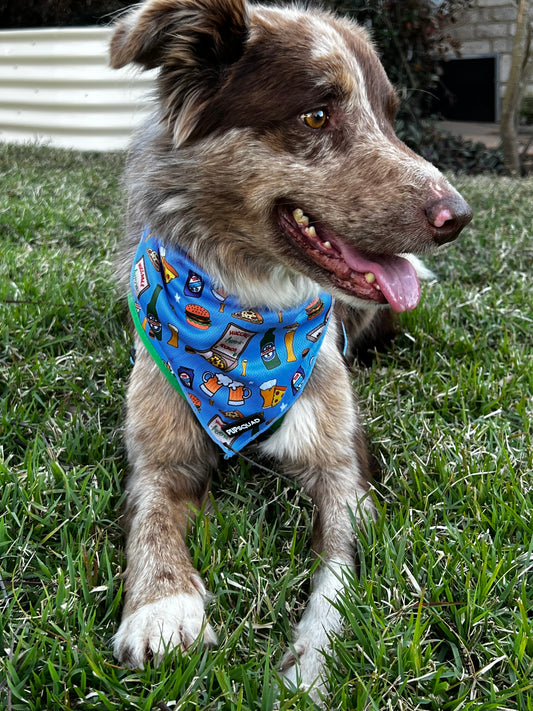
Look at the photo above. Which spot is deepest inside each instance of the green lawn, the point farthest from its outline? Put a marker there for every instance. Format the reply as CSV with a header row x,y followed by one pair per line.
x,y
441,615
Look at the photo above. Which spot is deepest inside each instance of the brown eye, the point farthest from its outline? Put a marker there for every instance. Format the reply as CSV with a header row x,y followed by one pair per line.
x,y
315,119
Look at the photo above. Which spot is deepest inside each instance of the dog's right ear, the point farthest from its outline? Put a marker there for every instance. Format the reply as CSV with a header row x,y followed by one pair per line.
x,y
191,32
194,42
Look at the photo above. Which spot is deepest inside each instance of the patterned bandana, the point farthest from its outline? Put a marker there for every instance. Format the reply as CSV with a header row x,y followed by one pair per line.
x,y
239,369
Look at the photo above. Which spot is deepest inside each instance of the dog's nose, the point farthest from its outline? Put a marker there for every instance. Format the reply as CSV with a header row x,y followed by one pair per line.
x,y
447,216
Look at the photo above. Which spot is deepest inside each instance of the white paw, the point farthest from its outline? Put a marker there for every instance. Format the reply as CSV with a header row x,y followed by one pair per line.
x,y
159,627
304,665
303,668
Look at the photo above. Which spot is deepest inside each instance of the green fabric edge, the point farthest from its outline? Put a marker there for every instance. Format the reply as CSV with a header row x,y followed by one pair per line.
x,y
151,350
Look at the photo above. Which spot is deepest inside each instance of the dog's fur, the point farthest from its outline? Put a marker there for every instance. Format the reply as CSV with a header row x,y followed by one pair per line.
x,y
211,171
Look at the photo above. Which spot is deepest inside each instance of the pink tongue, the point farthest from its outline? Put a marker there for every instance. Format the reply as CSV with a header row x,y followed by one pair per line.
x,y
396,277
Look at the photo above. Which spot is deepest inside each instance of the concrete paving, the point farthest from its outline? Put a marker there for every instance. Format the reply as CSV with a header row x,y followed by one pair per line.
x,y
487,133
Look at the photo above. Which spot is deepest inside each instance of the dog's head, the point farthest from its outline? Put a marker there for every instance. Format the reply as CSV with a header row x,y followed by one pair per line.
x,y
280,127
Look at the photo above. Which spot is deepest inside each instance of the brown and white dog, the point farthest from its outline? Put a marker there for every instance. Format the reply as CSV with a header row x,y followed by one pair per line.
x,y
271,160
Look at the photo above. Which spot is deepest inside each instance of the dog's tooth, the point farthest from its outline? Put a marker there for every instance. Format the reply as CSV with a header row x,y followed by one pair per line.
x,y
370,277
327,245
300,217
310,231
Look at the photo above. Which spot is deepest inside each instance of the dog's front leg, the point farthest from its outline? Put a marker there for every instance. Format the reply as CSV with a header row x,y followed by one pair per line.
x,y
322,442
170,461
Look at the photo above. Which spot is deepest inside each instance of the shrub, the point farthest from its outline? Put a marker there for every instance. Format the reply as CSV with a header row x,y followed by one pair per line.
x,y
59,13
449,152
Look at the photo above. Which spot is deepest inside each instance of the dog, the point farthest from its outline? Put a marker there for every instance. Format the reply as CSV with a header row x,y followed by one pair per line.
x,y
270,210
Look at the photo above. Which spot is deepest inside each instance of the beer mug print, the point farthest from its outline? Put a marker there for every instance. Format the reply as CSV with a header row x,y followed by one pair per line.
x,y
212,382
238,393
267,392
271,393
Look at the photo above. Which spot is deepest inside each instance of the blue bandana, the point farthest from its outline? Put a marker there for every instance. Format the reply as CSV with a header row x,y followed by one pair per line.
x,y
239,369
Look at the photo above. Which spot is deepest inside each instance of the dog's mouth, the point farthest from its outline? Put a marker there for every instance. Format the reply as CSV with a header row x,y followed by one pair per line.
x,y
377,278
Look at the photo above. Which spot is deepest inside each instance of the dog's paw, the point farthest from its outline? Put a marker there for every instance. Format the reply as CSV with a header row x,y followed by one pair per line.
x,y
302,666
159,627
302,669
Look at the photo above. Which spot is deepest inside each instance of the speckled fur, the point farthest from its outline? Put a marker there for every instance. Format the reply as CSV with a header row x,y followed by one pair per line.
x,y
225,145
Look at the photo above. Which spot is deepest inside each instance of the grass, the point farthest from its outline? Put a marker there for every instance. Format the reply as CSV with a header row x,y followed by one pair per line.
x,y
440,616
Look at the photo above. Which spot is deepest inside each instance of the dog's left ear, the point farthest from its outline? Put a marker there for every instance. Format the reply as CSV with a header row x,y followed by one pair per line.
x,y
192,41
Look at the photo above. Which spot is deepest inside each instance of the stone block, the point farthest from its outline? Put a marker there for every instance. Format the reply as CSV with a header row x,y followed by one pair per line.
x,y
503,45
491,29
475,47
505,67
493,3
462,33
504,14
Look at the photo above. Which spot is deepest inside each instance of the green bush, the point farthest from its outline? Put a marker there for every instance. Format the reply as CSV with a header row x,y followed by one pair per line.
x,y
449,152
59,13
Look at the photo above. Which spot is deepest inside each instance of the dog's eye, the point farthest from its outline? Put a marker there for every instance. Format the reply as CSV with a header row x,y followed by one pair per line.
x,y
315,119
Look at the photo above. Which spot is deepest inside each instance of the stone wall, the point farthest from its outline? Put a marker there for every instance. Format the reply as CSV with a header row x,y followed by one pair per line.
x,y
488,28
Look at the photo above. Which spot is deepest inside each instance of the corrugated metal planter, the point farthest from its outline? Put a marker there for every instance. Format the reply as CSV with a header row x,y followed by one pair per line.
x,y
56,88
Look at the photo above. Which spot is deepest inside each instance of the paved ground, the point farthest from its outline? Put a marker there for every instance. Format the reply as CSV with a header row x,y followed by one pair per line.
x,y
487,133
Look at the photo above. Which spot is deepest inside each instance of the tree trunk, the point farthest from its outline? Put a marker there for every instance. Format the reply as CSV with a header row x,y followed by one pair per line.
x,y
513,91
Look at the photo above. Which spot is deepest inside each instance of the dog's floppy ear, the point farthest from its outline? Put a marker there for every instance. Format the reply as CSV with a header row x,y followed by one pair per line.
x,y
192,41
160,32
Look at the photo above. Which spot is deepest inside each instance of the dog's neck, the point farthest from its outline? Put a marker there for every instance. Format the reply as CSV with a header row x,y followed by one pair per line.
x,y
280,289
275,288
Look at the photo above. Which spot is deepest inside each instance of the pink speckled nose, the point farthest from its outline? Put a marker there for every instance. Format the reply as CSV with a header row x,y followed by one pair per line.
x,y
447,216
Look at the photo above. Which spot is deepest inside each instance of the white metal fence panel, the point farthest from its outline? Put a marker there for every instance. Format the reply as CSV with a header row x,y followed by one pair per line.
x,y
56,88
